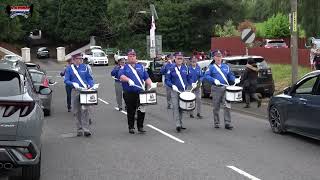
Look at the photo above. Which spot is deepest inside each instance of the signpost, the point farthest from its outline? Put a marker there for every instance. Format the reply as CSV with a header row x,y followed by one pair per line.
x,y
247,36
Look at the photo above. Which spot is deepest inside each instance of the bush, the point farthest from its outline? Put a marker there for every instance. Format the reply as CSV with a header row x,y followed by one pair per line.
x,y
277,26
227,30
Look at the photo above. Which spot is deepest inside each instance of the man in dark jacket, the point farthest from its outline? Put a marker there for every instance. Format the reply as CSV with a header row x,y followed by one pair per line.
x,y
249,80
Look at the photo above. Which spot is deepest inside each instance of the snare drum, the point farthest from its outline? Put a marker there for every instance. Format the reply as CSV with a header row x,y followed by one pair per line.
x,y
148,97
89,97
234,93
187,101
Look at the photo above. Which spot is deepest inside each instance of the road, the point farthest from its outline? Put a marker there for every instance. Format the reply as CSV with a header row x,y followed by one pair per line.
x,y
250,151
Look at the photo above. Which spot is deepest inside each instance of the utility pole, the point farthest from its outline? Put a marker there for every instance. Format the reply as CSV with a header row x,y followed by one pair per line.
x,y
294,41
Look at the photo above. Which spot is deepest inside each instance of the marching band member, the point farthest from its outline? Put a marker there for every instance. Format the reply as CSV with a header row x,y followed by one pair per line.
x,y
133,77
195,77
177,79
117,82
165,68
78,76
220,75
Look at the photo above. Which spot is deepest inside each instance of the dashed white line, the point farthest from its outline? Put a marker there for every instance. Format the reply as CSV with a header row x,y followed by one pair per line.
x,y
243,173
166,134
103,101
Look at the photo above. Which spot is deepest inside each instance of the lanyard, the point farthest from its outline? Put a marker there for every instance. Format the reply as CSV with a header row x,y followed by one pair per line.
x,y
136,74
180,78
219,70
78,76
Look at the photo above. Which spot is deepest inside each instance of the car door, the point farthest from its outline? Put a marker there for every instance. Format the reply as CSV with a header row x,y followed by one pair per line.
x,y
304,112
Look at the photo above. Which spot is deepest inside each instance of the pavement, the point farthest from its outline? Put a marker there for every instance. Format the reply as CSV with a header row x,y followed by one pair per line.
x,y
249,151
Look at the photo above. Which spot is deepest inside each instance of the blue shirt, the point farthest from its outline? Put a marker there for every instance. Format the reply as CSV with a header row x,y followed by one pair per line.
x,y
195,74
115,73
173,79
83,72
212,73
142,73
165,68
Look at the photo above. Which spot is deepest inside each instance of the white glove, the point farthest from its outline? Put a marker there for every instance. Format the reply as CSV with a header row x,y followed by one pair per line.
x,y
76,85
175,88
194,85
153,85
217,82
130,82
95,86
237,81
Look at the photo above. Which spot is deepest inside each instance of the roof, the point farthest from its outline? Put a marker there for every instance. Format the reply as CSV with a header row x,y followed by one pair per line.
x,y
16,66
240,57
36,71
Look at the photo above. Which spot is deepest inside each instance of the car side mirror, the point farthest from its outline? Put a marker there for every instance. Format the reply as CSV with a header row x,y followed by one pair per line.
x,y
287,90
44,90
51,82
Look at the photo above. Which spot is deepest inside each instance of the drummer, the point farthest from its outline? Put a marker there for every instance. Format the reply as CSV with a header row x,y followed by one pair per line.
x,y
195,77
220,76
117,82
78,76
133,77
177,79
164,69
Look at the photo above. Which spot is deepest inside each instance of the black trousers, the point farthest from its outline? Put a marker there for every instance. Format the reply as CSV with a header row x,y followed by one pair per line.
x,y
68,90
132,103
253,95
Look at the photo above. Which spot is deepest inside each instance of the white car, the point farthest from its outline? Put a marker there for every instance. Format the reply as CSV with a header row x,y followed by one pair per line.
x,y
119,56
11,58
96,57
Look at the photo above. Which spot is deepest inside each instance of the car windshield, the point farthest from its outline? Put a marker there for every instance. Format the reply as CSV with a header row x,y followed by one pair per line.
x,y
11,81
11,58
43,49
241,62
36,77
99,54
276,43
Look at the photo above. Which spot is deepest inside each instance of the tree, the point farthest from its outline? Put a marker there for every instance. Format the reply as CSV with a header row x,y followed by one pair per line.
x,y
228,30
277,26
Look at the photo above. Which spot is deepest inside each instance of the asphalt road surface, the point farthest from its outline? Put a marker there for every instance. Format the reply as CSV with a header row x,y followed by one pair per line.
x,y
249,151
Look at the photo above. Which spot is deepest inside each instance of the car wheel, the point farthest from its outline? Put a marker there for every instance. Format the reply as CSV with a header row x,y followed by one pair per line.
x,y
29,172
276,120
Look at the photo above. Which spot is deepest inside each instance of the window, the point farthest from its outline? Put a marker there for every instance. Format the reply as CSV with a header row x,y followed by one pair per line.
x,y
11,81
36,77
306,87
237,61
99,54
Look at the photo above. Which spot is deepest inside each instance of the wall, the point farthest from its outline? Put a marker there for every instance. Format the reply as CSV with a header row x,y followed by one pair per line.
x,y
273,55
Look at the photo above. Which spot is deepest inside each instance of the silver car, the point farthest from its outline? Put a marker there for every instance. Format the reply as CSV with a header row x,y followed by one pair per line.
x,y
21,122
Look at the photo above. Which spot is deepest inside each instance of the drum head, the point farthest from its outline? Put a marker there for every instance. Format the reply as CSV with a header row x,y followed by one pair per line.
x,y
188,96
234,88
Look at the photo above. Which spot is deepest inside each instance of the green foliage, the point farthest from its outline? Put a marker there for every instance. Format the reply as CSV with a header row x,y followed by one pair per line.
x,y
227,30
277,26
260,29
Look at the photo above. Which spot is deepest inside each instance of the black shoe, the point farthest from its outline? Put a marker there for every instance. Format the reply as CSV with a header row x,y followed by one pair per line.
x,y
228,126
259,103
79,132
87,133
90,121
141,130
216,126
183,128
247,106
191,116
69,109
178,129
131,131
199,116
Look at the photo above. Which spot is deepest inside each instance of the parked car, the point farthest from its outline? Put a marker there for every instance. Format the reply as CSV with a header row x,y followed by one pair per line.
x,y
43,52
153,68
265,83
40,80
297,108
274,43
120,55
21,123
11,57
95,56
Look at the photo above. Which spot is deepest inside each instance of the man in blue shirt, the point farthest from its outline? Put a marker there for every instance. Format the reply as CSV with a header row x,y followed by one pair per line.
x,y
85,81
177,79
220,75
195,78
134,78
117,82
68,87
164,69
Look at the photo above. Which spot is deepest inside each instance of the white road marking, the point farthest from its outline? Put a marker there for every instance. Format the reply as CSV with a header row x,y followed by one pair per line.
x,y
243,173
103,101
164,133
124,112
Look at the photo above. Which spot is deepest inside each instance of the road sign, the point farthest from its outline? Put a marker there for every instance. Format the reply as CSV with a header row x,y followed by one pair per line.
x,y
294,21
247,36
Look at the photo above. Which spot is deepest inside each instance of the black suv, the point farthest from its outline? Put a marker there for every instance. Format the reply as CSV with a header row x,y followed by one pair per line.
x,y
265,84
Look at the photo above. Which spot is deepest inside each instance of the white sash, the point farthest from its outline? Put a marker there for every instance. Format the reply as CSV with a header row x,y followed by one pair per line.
x,y
180,78
77,75
136,74
221,73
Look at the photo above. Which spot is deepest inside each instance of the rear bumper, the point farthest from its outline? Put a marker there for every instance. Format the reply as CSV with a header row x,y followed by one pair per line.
x,y
10,154
105,62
